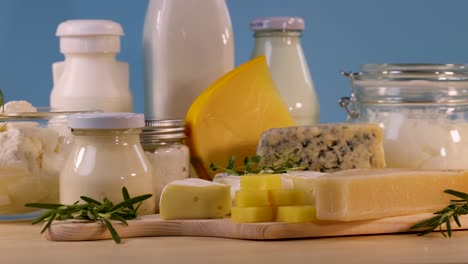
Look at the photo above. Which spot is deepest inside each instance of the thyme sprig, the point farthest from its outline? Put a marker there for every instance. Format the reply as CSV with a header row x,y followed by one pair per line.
x,y
444,216
93,210
254,164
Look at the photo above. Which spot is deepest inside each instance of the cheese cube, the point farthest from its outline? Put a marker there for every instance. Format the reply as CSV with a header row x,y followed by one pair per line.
x,y
246,198
195,199
326,147
261,182
377,193
286,197
252,214
296,214
304,181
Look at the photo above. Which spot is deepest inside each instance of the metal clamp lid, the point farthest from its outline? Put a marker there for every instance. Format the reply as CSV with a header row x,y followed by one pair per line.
x,y
349,102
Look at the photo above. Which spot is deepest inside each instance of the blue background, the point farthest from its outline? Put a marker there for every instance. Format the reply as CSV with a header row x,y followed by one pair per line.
x,y
340,35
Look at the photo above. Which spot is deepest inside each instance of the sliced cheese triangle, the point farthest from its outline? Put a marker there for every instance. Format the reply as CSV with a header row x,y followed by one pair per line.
x,y
228,118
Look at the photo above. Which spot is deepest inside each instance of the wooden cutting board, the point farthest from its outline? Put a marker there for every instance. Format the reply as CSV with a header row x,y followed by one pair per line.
x,y
152,225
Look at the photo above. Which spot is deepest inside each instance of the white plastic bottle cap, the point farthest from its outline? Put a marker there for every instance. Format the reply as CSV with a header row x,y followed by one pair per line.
x,y
106,121
277,23
86,36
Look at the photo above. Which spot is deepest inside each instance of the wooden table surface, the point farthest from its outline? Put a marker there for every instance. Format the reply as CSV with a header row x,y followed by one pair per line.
x,y
21,243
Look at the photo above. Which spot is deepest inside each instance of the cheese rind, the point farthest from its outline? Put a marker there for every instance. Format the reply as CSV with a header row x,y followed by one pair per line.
x,y
326,147
195,199
378,193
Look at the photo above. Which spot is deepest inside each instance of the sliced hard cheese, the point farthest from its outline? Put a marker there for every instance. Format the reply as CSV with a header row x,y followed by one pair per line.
x,y
296,214
228,117
252,214
286,197
304,181
326,147
255,182
246,198
378,193
195,199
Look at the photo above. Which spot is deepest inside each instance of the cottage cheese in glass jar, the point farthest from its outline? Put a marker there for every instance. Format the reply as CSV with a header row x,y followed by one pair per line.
x,y
163,142
422,109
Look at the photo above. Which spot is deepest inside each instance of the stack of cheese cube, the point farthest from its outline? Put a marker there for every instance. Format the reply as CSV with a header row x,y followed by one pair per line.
x,y
263,198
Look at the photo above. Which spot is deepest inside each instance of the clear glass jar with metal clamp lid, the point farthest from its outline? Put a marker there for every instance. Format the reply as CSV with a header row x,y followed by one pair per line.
x,y
422,109
163,142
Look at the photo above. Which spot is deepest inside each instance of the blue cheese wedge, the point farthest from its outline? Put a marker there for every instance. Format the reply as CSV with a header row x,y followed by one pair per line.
x,y
326,147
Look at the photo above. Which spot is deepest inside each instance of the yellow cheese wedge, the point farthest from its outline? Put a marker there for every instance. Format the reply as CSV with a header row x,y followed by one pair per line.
x,y
286,197
246,198
363,194
195,199
296,214
252,214
255,182
229,116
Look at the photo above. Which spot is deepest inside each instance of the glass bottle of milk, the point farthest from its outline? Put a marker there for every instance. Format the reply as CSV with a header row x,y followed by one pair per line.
x,y
278,38
187,45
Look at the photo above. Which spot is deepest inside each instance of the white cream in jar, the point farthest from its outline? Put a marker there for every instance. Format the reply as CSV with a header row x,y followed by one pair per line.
x,y
106,156
162,141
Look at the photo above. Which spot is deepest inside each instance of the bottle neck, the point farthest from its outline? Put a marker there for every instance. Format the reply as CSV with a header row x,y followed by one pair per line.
x,y
292,34
98,57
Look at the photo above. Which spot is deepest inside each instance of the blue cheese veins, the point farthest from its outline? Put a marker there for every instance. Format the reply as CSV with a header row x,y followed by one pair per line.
x,y
326,147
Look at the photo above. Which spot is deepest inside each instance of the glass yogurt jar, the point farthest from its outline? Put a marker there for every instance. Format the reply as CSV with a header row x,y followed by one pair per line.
x,y
422,109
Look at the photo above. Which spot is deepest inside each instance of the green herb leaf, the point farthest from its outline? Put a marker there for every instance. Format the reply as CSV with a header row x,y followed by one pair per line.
x,y
92,210
444,216
254,164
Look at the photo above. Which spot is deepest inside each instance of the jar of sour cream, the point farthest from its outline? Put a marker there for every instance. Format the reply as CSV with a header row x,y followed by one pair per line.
x,y
422,109
106,156
163,143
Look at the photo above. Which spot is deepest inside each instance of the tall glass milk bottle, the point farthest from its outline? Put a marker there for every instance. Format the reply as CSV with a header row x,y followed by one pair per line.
x,y
279,39
187,45
91,78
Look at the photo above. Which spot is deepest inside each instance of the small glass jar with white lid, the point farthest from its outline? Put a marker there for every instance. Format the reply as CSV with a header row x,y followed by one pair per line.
x,y
422,109
163,142
107,156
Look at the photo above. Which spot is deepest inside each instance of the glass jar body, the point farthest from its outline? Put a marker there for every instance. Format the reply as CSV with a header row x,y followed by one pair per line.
x,y
422,109
101,162
421,136
290,72
170,160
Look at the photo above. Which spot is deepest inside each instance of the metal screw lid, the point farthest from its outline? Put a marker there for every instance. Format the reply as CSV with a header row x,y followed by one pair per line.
x,y
158,130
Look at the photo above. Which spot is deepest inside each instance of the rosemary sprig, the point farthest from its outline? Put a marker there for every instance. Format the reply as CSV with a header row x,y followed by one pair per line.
x,y
254,165
444,216
92,210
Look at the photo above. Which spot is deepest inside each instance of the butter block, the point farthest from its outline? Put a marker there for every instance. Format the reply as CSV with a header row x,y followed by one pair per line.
x,y
296,214
326,147
252,214
246,198
195,199
229,116
364,194
255,182
286,197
